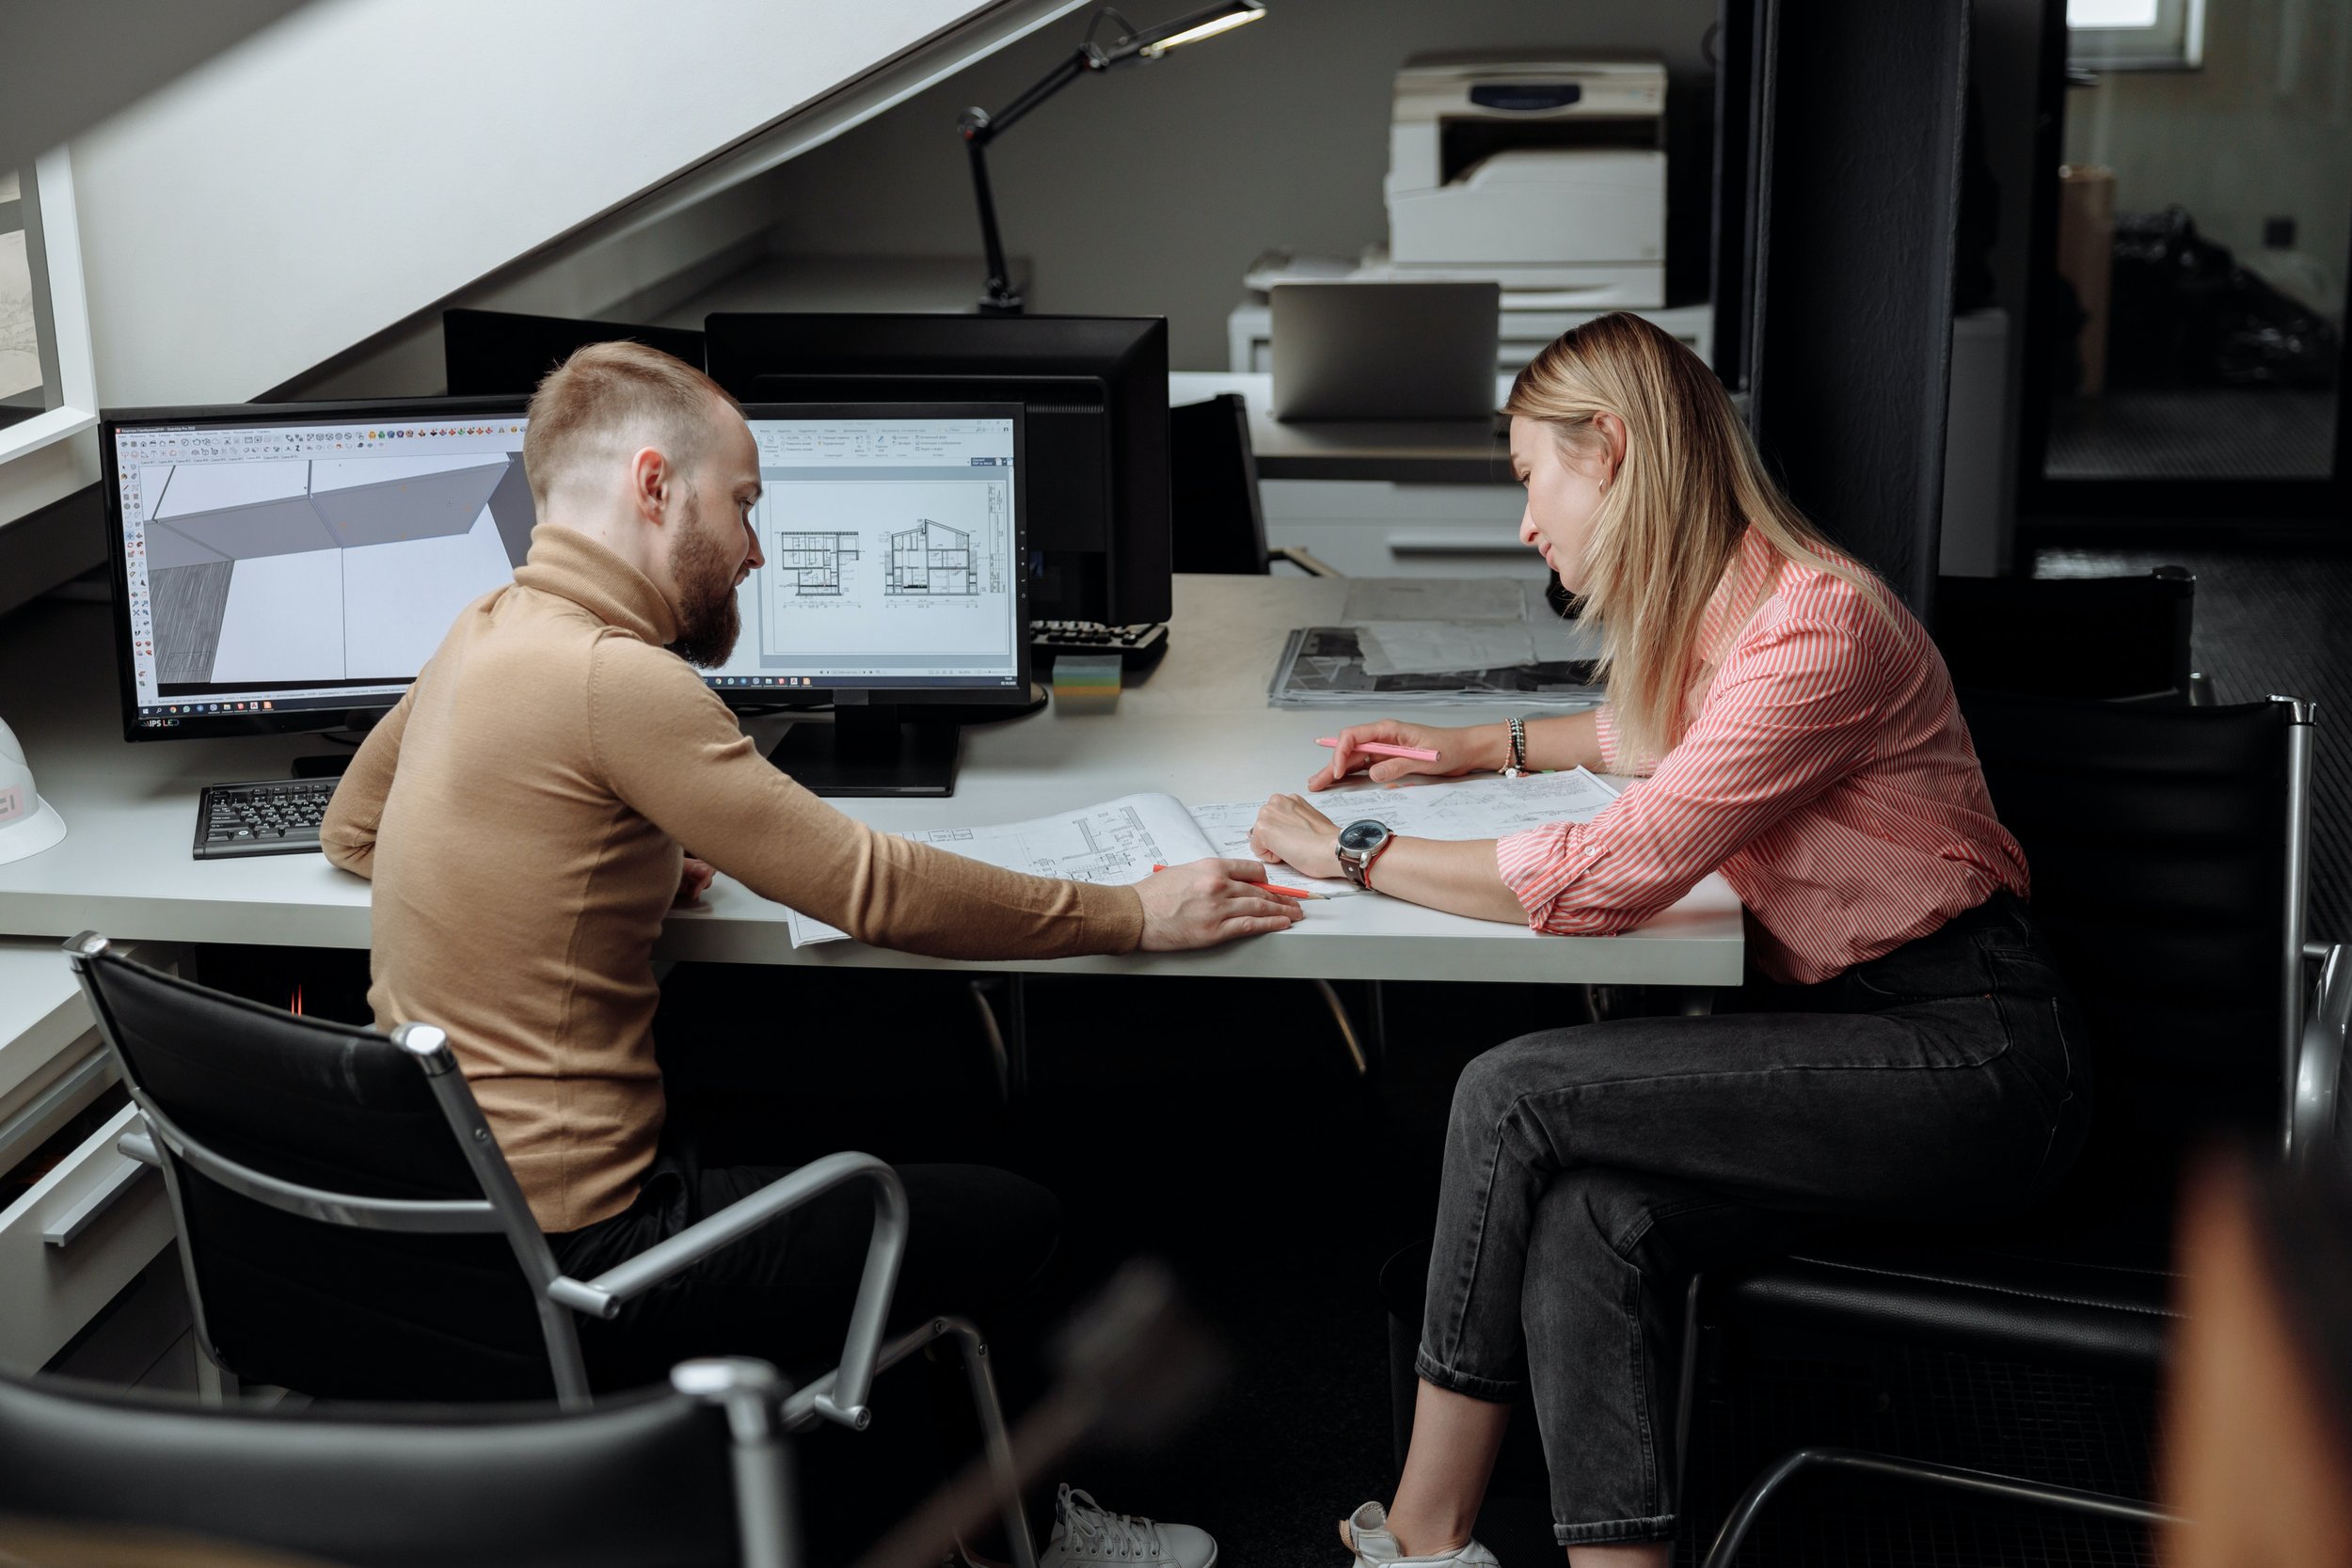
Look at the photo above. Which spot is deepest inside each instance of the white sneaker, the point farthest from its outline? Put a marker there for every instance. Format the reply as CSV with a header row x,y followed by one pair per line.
x,y
1084,1535
1367,1533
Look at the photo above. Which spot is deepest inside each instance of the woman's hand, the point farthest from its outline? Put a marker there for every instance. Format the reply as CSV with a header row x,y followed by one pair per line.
x,y
1477,750
693,881
1291,830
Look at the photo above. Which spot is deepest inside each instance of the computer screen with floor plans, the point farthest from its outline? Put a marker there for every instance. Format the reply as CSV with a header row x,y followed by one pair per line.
x,y
892,550
292,563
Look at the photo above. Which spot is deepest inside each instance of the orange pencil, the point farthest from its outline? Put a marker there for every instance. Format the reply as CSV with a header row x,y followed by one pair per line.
x,y
1277,887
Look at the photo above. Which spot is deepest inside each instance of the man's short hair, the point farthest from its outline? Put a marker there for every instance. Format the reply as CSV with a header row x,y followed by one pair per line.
x,y
612,398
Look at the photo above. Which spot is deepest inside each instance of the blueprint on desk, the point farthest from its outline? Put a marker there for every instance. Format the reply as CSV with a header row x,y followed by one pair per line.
x,y
1115,841
1121,841
1487,806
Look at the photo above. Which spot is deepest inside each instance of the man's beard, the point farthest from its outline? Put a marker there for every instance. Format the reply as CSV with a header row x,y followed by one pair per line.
x,y
708,620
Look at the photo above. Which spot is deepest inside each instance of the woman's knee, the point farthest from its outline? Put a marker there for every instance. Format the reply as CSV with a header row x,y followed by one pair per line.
x,y
1495,1081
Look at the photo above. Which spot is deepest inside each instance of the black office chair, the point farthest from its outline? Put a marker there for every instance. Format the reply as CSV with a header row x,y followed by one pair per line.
x,y
696,1474
2169,848
2108,638
1219,523
349,1228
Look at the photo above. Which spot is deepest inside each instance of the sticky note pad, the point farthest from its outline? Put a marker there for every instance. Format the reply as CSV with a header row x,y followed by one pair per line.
x,y
1085,683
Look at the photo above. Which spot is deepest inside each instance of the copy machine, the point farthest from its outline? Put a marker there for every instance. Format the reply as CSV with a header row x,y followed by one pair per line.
x,y
1543,171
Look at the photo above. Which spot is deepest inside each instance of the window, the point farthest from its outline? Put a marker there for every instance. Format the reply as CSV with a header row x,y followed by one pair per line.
x,y
46,391
2135,34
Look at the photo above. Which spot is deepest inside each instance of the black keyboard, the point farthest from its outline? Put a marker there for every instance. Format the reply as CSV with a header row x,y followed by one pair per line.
x,y
274,816
1138,646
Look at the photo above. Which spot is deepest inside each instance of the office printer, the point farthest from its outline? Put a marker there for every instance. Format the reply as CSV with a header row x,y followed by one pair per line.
x,y
1540,170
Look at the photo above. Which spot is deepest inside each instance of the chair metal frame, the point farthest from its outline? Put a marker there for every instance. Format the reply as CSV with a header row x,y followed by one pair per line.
x,y
2311,1043
839,1396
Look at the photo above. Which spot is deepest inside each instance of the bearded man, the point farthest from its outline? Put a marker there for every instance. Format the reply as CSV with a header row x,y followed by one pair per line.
x,y
521,814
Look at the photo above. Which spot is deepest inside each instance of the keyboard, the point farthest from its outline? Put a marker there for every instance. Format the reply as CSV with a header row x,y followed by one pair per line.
x,y
1138,646
273,816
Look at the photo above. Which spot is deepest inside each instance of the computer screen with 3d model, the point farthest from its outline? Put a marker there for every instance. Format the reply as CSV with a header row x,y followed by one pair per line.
x,y
288,567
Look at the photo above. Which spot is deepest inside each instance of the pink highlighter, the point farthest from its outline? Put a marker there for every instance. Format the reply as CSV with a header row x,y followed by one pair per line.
x,y
1374,748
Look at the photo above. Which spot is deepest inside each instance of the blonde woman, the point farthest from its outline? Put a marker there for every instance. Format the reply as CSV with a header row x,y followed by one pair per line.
x,y
1903,1048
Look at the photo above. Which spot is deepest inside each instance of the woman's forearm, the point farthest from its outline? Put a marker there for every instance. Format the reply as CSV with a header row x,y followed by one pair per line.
x,y
1455,875
1573,740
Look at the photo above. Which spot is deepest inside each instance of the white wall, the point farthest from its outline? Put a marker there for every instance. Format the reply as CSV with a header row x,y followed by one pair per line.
x,y
1149,190
364,159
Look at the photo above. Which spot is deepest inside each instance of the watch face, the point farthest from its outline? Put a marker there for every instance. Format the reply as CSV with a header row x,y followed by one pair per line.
x,y
1363,836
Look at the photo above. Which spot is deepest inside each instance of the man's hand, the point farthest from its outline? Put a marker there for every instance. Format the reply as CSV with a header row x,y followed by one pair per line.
x,y
1210,902
692,878
1472,750
1291,830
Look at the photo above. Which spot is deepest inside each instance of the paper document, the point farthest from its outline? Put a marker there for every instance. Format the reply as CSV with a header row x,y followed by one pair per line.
x,y
1121,841
1324,667
1441,647
1434,599
1118,841
1487,806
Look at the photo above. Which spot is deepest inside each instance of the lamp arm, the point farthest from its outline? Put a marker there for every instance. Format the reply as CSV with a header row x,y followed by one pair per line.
x,y
977,128
999,297
979,125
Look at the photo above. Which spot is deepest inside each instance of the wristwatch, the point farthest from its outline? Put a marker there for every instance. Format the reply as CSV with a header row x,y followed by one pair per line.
x,y
1359,845
1516,766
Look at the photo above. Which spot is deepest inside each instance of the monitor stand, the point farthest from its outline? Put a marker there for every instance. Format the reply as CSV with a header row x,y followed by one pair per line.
x,y
871,751
333,765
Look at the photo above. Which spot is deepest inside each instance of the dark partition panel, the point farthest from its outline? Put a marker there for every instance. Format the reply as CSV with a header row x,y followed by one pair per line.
x,y
1857,153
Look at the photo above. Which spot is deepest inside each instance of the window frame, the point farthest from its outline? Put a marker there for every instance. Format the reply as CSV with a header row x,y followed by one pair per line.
x,y
2177,42
54,215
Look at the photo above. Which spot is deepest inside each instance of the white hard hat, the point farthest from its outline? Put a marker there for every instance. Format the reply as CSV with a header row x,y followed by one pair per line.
x,y
28,824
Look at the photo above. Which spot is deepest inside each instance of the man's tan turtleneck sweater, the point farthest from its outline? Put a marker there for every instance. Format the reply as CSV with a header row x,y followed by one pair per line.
x,y
521,814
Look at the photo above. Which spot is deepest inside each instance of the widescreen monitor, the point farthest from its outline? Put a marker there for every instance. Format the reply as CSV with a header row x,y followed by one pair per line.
x,y
293,567
1095,388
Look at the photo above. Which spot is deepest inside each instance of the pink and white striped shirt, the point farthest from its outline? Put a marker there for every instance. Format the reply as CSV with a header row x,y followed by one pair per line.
x,y
1826,772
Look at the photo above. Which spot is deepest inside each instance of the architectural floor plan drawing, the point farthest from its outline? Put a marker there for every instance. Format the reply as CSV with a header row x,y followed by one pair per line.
x,y
811,562
932,559
1115,841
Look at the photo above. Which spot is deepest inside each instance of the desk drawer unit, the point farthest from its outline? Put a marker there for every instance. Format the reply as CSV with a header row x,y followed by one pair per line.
x,y
78,1220
1377,529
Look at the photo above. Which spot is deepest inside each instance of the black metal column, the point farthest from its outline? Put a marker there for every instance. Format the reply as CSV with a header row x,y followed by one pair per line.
x,y
1857,125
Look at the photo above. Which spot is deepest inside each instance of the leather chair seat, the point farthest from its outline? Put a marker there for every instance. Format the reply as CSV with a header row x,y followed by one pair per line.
x,y
2100,1302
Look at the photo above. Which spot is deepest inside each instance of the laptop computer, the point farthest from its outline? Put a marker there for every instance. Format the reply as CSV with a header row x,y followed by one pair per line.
x,y
1385,351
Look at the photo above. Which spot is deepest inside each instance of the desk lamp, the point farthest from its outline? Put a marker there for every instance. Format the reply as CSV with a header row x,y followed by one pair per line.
x,y
979,127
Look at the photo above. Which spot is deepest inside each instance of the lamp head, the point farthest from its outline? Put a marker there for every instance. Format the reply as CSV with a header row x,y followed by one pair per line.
x,y
1155,41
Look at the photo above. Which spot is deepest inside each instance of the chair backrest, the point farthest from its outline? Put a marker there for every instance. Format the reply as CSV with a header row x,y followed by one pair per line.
x,y
2165,846
345,1303
1218,524
636,1482
2069,637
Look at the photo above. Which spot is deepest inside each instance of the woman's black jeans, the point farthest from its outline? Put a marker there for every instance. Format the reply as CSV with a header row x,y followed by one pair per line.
x,y
1589,1172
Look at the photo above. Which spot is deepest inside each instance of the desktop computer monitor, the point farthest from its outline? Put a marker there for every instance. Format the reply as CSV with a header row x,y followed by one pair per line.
x,y
893,534
293,567
497,353
1096,392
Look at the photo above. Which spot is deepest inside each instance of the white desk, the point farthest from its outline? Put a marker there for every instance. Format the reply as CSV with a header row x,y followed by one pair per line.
x,y
1199,728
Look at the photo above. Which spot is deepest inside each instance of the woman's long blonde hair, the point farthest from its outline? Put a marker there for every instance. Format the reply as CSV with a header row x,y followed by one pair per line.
x,y
1690,484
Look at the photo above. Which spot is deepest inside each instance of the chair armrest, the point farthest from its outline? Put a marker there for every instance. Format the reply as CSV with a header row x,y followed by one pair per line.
x,y
1304,560
2314,1118
603,1295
